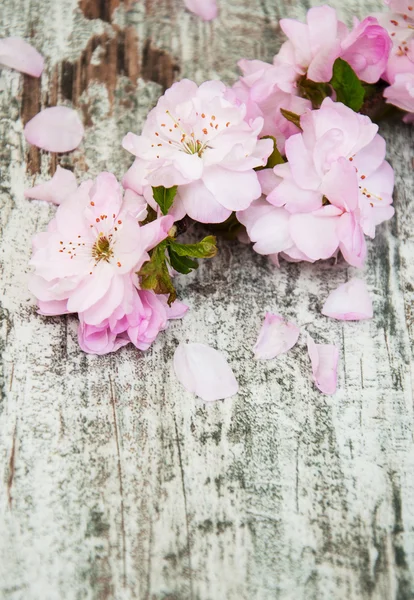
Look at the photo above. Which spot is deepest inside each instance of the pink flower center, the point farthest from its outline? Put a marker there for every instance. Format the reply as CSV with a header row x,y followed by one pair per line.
x,y
101,250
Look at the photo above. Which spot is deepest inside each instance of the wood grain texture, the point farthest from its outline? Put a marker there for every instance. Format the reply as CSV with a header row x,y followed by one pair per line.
x,y
116,483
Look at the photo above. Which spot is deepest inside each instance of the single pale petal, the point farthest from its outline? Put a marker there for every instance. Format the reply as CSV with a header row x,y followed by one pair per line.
x,y
276,337
204,372
349,302
233,190
62,184
56,129
315,235
205,9
324,359
200,204
340,185
17,54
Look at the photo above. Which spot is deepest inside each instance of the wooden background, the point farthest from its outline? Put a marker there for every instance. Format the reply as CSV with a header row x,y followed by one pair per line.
x,y
114,482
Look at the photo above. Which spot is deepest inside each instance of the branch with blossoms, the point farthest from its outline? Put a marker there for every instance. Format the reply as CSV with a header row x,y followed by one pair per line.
x,y
289,158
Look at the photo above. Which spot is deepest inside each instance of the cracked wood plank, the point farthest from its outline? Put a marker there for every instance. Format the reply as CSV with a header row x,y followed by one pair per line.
x,y
116,484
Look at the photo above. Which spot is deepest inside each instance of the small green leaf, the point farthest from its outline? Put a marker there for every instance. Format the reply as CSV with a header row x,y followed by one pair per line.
x,y
275,158
182,264
155,276
314,91
292,117
349,90
205,249
164,197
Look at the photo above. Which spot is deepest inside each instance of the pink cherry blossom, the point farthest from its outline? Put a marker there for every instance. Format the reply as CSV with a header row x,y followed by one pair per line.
x,y
87,259
335,187
56,129
204,371
265,89
198,139
205,9
17,54
367,48
313,47
349,302
400,25
62,184
146,316
276,336
324,359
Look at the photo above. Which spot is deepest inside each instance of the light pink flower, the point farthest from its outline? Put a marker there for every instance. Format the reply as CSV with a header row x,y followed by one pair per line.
x,y
17,54
349,302
205,9
367,48
86,261
204,372
62,184
276,336
265,89
400,26
324,359
401,92
199,140
146,315
335,187
313,47
56,129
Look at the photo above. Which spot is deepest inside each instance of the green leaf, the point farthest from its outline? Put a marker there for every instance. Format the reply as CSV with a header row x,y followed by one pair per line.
x,y
182,264
155,276
205,249
349,90
275,158
292,117
314,91
164,197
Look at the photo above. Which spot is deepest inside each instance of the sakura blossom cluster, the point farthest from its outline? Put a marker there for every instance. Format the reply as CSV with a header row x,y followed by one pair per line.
x,y
290,155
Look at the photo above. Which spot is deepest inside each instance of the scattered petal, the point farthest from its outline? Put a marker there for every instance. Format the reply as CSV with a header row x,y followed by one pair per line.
x,y
349,302
276,336
56,129
204,372
205,9
17,54
324,359
62,184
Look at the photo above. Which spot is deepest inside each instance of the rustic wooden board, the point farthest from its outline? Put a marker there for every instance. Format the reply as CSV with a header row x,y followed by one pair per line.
x,y
116,483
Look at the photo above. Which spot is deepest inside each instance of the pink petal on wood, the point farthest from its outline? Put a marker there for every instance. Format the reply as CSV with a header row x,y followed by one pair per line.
x,y
17,54
62,184
204,372
324,359
276,337
205,9
56,129
349,302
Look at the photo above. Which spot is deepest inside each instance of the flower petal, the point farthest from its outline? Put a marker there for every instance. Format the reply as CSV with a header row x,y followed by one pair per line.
x,y
62,184
18,54
349,302
205,9
276,337
56,129
324,359
204,372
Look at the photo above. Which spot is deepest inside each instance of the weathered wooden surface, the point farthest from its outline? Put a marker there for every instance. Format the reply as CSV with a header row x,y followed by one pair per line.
x,y
115,483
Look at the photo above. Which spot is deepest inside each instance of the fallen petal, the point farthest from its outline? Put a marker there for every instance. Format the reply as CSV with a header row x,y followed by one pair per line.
x,y
205,9
17,54
276,337
56,129
324,359
204,372
349,302
62,184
